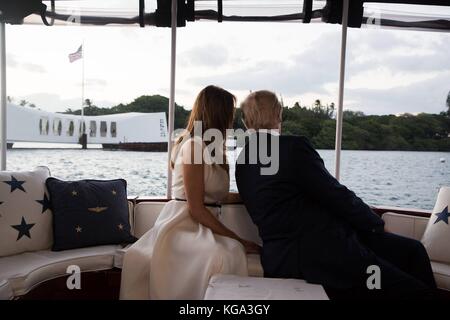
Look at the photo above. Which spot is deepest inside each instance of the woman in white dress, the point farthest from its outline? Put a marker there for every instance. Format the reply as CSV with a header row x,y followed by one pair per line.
x,y
188,244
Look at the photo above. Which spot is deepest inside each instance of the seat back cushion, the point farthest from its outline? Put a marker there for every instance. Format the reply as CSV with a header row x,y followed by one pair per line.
x,y
237,219
145,215
405,225
436,238
131,215
89,213
234,216
25,218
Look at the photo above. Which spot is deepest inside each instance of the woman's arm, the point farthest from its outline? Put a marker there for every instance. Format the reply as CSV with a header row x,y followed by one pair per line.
x,y
232,197
195,190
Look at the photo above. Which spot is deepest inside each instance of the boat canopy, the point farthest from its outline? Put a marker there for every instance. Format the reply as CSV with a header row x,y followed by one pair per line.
x,y
400,14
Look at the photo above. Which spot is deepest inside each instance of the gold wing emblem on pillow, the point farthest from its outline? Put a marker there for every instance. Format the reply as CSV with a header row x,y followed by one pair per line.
x,y
98,209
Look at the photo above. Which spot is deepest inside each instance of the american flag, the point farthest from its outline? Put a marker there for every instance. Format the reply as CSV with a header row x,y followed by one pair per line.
x,y
76,55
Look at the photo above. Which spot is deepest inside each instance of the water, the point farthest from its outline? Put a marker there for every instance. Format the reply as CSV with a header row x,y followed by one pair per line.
x,y
390,178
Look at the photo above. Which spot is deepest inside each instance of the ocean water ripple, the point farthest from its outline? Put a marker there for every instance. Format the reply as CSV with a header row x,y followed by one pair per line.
x,y
390,178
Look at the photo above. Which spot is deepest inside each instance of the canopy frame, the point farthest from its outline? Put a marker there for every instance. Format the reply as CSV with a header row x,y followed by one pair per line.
x,y
173,61
3,97
340,110
329,11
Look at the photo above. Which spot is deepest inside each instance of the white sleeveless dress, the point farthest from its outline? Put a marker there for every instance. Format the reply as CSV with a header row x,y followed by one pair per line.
x,y
177,257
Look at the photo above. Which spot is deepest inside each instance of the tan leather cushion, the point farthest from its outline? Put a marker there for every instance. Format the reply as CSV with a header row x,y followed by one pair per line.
x,y
234,217
145,215
254,266
436,238
131,215
413,227
237,219
253,262
441,275
25,271
405,225
5,290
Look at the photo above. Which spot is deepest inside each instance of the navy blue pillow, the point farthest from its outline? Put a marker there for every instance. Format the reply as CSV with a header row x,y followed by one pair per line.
x,y
89,213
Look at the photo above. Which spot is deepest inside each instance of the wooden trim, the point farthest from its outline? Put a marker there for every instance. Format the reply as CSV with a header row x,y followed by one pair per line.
x,y
378,209
406,211
150,199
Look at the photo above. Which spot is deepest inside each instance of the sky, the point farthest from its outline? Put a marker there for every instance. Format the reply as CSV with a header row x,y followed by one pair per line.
x,y
388,72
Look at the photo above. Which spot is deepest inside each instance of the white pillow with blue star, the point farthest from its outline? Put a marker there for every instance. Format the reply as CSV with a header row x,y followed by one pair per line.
x,y
436,238
25,217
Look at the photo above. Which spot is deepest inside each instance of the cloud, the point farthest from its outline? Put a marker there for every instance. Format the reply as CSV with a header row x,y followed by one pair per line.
x,y
424,96
396,74
13,62
408,54
54,102
32,67
205,56
308,71
93,82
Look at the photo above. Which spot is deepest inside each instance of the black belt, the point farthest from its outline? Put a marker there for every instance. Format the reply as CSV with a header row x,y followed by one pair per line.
x,y
215,205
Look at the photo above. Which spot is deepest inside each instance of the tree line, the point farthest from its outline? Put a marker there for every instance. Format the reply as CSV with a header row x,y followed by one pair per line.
x,y
421,132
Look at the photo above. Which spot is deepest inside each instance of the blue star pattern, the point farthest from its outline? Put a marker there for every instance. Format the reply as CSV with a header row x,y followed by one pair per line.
x,y
15,184
25,212
442,216
23,228
45,203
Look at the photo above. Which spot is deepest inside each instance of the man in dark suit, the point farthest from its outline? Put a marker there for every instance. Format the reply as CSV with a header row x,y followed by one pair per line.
x,y
313,227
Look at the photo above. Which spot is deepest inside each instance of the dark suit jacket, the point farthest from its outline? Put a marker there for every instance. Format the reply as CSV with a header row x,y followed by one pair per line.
x,y
310,224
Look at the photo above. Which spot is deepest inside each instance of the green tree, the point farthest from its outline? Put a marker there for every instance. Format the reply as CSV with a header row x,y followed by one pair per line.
x,y
448,104
88,103
317,123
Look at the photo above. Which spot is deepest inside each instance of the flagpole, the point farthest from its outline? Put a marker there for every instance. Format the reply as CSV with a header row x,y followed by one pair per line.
x,y
83,126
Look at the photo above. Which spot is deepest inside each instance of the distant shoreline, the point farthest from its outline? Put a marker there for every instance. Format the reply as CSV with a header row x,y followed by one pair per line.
x,y
100,148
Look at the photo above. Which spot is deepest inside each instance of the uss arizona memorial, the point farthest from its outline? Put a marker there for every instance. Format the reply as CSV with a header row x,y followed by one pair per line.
x,y
135,131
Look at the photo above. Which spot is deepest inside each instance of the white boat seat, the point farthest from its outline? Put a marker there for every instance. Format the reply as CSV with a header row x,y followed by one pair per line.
x,y
414,227
254,266
405,225
24,271
118,257
253,262
441,274
233,216
145,215
5,290
20,273
231,287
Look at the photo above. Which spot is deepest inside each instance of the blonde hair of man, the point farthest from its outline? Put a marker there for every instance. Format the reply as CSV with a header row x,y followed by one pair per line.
x,y
262,110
